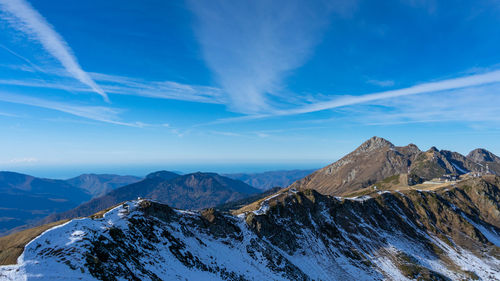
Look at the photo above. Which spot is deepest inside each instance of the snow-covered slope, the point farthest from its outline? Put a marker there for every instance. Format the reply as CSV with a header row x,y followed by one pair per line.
x,y
294,236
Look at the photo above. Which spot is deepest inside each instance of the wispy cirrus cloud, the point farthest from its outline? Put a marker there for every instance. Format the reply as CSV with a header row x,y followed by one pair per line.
x,y
23,17
31,64
472,82
431,87
471,105
120,85
251,46
160,89
96,113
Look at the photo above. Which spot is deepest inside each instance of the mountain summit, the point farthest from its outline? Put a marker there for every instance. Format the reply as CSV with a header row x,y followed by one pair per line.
x,y
374,160
374,143
377,159
481,155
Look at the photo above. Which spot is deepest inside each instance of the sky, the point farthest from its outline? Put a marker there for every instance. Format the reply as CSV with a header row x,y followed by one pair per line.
x,y
241,86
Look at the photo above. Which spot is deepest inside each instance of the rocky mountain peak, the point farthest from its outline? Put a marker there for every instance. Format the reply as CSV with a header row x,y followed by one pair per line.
x,y
409,149
374,143
482,155
433,149
413,147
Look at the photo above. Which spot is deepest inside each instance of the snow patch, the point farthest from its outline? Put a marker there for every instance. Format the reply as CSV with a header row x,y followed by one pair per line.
x,y
360,198
490,234
458,168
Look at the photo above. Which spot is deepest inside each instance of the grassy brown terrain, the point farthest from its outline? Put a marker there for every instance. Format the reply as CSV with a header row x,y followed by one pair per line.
x,y
379,162
12,246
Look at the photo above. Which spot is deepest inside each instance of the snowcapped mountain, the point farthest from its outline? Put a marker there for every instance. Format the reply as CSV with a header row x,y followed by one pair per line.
x,y
450,233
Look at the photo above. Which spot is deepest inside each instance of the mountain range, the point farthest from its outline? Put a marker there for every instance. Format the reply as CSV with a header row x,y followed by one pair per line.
x,y
26,199
99,184
377,159
24,206
190,191
382,212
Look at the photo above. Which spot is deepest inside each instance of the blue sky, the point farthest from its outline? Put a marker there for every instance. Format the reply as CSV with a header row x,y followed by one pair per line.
x,y
133,86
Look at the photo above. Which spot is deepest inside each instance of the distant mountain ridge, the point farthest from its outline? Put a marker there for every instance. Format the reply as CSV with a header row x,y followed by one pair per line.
x,y
59,198
270,179
377,159
25,199
191,191
99,184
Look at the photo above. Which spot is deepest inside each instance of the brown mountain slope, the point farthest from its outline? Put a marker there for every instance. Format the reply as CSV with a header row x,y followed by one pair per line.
x,y
377,159
489,161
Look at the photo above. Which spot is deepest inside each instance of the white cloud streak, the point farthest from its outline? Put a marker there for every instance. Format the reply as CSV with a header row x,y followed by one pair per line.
x,y
472,81
23,17
472,105
160,89
134,87
443,85
251,46
32,65
96,113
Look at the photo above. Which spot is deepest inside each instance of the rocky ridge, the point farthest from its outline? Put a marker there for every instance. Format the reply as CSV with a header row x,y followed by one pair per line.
x,y
377,159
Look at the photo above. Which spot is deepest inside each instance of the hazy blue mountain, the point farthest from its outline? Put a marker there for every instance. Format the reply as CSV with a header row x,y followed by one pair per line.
x,y
99,184
25,199
267,180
